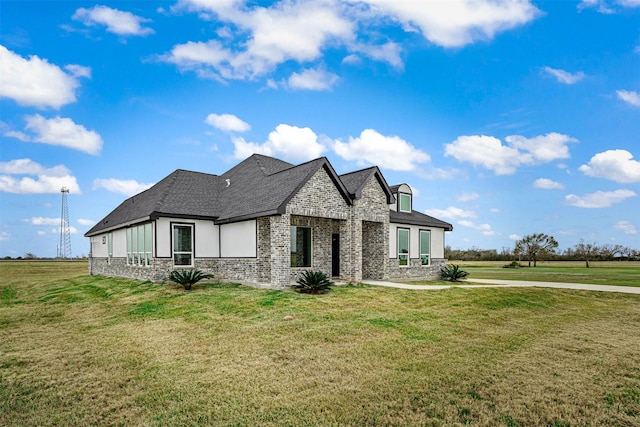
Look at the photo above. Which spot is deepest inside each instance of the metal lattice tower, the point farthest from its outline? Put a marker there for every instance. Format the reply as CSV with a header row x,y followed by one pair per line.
x,y
64,249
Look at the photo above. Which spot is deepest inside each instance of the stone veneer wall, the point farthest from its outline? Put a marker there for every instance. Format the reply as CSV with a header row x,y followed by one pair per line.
x,y
415,270
243,270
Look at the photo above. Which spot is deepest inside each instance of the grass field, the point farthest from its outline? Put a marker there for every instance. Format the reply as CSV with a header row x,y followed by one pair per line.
x,y
89,350
619,273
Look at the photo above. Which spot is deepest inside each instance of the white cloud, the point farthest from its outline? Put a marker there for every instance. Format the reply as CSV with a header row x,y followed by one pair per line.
x,y
515,237
467,197
630,97
35,82
290,142
128,187
600,5
29,167
605,6
4,236
599,199
72,230
626,227
455,23
547,184
389,152
116,21
490,153
42,185
312,79
86,222
615,165
78,70
485,229
38,220
300,31
47,181
450,213
296,31
564,76
227,123
59,131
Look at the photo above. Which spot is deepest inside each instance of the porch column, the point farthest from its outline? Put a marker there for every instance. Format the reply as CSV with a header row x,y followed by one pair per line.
x,y
280,236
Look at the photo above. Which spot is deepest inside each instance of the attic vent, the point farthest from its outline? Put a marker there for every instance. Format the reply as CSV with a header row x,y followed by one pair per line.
x,y
228,181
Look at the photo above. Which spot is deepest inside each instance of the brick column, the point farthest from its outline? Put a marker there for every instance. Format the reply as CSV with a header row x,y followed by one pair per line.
x,y
280,236
356,250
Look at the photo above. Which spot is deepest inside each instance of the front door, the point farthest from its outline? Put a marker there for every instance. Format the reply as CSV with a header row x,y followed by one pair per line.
x,y
335,255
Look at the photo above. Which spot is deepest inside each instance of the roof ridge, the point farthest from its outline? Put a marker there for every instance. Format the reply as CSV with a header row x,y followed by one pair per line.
x,y
301,164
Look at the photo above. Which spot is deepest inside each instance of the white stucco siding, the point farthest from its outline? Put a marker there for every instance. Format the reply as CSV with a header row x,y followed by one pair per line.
x,y
99,249
239,240
206,237
437,240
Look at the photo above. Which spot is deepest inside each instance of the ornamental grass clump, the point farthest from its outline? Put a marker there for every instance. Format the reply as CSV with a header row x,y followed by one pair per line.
x,y
188,278
453,273
313,282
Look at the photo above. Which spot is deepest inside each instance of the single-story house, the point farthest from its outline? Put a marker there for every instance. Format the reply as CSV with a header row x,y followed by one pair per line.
x,y
265,221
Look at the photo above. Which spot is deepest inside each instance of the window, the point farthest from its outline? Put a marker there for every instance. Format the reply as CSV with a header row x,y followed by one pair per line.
x,y
405,202
139,240
300,247
403,246
425,246
183,245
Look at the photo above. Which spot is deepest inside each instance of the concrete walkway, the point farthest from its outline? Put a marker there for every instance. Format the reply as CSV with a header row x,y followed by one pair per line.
x,y
495,283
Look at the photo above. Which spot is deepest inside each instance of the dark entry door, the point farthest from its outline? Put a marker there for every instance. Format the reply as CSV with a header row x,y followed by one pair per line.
x,y
335,255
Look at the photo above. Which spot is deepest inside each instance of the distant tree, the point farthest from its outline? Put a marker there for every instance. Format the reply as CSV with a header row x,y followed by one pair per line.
x,y
29,255
586,251
535,246
609,252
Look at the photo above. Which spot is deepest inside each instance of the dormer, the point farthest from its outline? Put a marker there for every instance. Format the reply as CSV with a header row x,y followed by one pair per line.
x,y
404,198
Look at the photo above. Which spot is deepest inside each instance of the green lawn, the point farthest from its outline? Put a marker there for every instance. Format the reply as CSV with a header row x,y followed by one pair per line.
x,y
83,350
600,273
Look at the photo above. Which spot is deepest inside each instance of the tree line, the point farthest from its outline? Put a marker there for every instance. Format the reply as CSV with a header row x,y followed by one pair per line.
x,y
539,246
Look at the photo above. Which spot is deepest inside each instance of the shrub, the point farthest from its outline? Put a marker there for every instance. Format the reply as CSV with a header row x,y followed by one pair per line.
x,y
187,278
313,282
453,273
513,264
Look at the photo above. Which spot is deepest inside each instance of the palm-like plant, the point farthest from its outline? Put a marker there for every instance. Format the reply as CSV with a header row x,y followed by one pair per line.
x,y
187,278
313,282
453,273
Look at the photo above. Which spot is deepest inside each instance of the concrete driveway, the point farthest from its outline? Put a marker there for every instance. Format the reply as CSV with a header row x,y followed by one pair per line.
x,y
491,283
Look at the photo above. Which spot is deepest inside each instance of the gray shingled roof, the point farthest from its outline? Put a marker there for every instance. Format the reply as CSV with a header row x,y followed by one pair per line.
x,y
181,194
417,218
258,186
355,182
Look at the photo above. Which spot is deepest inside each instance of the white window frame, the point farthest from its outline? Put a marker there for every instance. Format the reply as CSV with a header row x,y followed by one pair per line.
x,y
424,253
403,255
400,197
191,253
139,253
109,247
293,242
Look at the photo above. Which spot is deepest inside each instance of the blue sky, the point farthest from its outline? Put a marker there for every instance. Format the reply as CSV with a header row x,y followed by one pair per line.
x,y
506,117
